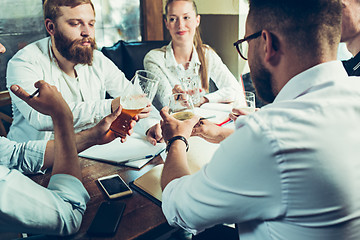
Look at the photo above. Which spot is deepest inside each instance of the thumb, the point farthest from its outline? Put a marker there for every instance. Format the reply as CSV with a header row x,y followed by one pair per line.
x,y
193,121
116,113
164,113
150,139
20,92
112,116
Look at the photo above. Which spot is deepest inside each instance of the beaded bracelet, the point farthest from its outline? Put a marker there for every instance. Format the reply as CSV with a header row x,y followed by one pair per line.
x,y
173,139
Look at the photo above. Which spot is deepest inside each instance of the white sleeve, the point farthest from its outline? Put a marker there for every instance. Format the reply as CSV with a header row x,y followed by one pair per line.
x,y
228,189
28,207
25,72
229,88
153,62
26,157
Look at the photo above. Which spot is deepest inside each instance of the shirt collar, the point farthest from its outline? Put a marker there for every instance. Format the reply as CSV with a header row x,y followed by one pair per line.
x,y
303,82
170,57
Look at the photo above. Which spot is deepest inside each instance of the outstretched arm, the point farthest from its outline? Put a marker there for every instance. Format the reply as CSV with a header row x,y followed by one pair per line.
x,y
97,135
50,102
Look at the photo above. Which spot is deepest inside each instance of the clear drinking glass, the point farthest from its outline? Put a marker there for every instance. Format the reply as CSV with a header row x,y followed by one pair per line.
x,y
137,96
250,103
190,80
181,106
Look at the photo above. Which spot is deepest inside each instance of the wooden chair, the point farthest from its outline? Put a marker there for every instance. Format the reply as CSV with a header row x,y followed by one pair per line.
x,y
5,112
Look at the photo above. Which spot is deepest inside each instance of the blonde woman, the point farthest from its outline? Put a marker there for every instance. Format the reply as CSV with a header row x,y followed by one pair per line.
x,y
216,81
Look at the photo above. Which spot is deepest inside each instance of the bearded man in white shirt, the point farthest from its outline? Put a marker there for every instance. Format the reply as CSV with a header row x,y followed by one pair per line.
x,y
28,207
291,170
68,59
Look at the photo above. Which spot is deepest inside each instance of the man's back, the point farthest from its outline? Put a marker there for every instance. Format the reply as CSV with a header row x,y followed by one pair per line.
x,y
313,139
292,169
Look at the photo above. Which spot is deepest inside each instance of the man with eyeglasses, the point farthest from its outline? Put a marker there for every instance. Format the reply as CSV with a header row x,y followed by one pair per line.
x,y
291,170
351,35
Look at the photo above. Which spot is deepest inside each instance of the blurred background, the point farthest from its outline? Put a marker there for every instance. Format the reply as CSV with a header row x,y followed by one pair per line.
x,y
222,23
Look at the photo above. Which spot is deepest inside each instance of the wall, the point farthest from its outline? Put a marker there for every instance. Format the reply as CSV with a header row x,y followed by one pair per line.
x,y
21,22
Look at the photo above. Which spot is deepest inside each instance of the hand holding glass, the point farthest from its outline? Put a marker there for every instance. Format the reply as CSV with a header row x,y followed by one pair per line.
x,y
190,81
137,96
250,103
181,106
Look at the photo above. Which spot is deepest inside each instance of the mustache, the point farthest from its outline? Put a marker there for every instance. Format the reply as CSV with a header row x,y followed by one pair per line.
x,y
86,40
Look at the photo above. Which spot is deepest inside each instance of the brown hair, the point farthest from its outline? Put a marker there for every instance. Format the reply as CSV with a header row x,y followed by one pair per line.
x,y
52,11
199,46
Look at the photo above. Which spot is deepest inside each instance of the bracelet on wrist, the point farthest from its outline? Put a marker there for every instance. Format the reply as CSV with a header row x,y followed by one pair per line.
x,y
173,139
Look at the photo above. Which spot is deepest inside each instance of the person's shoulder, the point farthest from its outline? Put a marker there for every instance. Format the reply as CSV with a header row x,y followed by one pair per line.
x,y
209,50
35,50
100,59
156,53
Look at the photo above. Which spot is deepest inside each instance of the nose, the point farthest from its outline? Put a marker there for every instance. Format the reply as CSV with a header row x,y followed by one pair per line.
x,y
85,32
181,23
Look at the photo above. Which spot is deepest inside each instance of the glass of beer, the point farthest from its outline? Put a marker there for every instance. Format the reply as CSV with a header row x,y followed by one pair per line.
x,y
181,106
137,96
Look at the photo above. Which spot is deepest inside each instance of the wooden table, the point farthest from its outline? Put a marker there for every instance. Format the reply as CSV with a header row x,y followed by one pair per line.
x,y
142,218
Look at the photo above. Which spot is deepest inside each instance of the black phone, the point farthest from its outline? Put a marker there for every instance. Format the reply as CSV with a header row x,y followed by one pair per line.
x,y
114,186
107,219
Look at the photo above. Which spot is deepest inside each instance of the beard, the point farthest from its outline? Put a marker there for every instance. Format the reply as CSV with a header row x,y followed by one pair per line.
x,y
73,51
263,80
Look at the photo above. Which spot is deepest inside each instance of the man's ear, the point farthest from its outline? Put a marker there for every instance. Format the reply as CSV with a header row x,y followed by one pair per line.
x,y
50,26
271,46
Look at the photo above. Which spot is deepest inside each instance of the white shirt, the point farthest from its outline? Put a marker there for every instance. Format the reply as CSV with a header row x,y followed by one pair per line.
x,y
162,62
289,171
84,94
28,207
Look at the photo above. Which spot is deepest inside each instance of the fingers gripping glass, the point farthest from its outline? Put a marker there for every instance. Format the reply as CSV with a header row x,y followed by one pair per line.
x,y
242,44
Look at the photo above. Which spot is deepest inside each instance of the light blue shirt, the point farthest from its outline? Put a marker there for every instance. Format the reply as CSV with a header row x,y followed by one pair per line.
x,y
25,206
289,171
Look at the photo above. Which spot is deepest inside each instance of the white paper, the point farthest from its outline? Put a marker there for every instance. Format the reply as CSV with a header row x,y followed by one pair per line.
x,y
136,146
220,111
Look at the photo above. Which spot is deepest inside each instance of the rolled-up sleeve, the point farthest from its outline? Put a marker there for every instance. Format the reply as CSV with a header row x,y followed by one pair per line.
x,y
26,157
28,207
226,190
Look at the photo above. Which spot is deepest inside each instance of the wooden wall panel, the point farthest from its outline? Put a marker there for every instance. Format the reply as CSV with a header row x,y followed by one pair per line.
x,y
152,17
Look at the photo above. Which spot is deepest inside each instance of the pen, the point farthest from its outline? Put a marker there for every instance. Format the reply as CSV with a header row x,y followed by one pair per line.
x,y
224,122
36,92
203,118
136,159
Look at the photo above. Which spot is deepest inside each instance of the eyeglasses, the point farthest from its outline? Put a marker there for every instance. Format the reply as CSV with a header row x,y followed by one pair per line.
x,y
242,45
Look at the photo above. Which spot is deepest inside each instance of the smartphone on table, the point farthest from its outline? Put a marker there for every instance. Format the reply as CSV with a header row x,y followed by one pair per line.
x,y
114,186
107,219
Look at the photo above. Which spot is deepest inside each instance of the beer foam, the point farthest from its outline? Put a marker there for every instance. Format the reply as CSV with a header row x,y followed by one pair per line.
x,y
134,102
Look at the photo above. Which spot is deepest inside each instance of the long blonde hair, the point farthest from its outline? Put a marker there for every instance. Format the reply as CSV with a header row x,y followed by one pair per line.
x,y
199,46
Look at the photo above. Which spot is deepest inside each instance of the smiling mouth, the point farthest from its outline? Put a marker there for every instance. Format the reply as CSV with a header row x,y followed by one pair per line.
x,y
181,32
